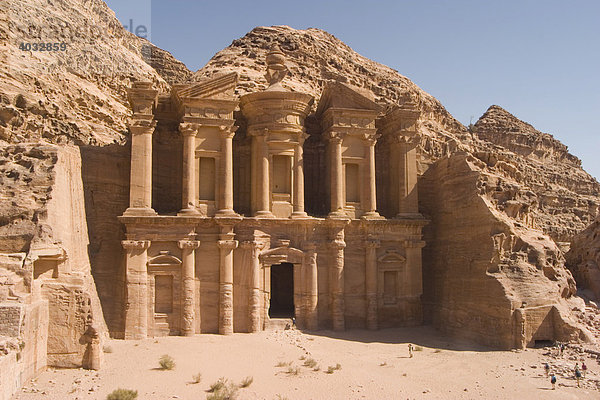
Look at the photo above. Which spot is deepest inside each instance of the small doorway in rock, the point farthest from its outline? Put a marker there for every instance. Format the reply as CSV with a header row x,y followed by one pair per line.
x,y
282,291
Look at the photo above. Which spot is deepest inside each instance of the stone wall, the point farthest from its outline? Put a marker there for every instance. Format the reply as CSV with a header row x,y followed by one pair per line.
x,y
23,335
583,260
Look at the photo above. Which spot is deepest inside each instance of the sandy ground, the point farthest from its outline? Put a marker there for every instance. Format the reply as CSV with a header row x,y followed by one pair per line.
x,y
374,365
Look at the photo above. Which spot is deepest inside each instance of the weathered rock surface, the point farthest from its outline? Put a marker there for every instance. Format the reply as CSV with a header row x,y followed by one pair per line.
x,y
567,197
480,265
583,259
76,95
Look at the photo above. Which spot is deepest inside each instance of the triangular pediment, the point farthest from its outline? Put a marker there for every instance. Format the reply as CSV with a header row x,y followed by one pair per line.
x,y
341,95
220,87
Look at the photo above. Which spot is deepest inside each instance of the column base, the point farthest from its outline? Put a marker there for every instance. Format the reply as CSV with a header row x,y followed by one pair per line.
x,y
299,215
226,213
339,214
139,211
371,215
188,211
264,214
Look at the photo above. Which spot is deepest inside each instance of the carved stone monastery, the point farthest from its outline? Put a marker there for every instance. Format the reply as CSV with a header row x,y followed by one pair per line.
x,y
295,214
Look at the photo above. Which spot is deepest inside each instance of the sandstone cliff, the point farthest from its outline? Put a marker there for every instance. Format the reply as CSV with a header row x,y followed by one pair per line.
x,y
481,266
516,179
583,259
567,197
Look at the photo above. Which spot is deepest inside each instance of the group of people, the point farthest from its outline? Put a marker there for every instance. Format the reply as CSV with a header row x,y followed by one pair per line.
x,y
579,373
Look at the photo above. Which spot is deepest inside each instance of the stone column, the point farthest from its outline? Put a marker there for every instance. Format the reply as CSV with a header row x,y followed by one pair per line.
x,y
312,316
370,203
188,195
337,192
136,280
299,180
254,309
226,206
407,165
140,181
520,328
188,248
226,246
371,283
337,283
263,182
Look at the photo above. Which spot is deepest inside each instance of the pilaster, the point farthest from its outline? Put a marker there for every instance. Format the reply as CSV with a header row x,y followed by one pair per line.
x,y
226,246
188,248
136,280
371,283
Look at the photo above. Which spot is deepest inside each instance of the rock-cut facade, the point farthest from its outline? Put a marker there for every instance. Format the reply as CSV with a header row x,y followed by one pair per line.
x,y
243,210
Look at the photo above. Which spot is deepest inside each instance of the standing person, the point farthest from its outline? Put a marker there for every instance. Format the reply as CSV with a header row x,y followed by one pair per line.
x,y
547,368
553,381
410,350
562,348
583,368
577,375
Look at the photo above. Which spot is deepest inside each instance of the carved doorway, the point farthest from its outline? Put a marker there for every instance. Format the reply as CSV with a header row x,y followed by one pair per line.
x,y
282,291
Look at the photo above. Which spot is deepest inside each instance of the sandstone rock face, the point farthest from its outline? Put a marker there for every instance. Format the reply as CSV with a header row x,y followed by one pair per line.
x,y
566,196
481,266
583,259
76,95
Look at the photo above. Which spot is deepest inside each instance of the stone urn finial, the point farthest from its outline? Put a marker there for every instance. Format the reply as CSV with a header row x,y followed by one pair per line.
x,y
276,68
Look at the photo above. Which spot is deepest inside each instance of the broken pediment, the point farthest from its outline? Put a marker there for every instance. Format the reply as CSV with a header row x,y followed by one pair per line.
x,y
344,96
219,87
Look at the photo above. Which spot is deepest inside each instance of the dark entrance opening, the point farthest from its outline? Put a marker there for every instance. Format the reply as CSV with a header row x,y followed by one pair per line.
x,y
282,291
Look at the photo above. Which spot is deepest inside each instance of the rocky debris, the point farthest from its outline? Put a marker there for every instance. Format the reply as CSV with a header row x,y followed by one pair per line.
x,y
583,259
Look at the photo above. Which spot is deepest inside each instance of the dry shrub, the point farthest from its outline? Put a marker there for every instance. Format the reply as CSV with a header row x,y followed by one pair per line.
x,y
166,362
122,394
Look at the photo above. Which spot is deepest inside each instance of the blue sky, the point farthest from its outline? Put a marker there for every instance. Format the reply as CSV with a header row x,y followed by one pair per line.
x,y
540,60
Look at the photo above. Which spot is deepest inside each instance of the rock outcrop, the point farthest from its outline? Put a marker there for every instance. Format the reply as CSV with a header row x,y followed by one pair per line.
x,y
583,259
566,197
488,277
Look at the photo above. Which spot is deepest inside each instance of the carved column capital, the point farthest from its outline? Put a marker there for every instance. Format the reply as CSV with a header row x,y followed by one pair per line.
x,y
188,244
228,131
335,137
227,244
188,129
372,243
142,126
135,244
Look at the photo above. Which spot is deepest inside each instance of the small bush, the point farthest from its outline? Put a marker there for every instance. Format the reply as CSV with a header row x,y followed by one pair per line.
x,y
107,349
247,382
292,370
418,348
283,364
302,358
310,363
218,385
317,368
437,351
331,368
166,362
383,364
122,394
280,397
226,392
197,378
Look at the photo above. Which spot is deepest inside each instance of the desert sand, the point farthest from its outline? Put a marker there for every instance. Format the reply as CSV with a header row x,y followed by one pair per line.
x,y
374,365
